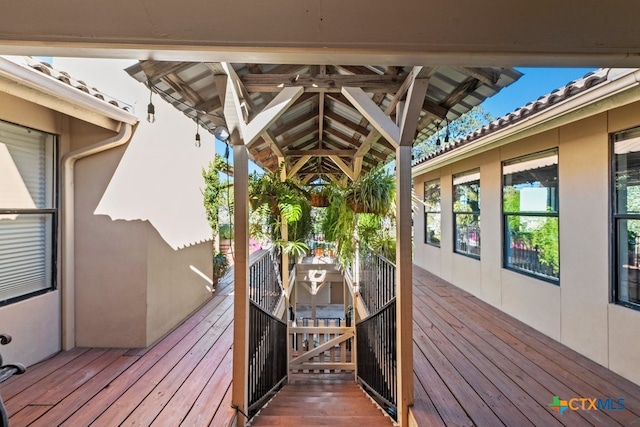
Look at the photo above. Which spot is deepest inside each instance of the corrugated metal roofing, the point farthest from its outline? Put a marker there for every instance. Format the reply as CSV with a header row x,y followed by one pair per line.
x,y
322,118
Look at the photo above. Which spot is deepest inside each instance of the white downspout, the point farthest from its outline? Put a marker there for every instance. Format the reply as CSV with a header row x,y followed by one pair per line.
x,y
68,229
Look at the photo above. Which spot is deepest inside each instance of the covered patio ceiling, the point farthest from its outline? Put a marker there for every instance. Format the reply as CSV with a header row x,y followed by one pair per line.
x,y
324,133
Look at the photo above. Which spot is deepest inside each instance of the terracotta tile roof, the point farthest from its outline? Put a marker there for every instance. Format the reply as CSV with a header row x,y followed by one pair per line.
x,y
64,77
543,103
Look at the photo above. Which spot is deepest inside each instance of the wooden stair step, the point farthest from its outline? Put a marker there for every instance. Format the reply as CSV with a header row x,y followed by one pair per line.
x,y
319,420
322,409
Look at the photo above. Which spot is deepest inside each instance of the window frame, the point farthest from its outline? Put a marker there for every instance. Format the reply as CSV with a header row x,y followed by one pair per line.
x,y
437,182
507,214
615,219
52,212
455,213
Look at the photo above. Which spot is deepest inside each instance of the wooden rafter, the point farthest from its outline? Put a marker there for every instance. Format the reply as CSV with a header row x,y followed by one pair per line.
x,y
344,138
298,137
321,153
288,127
318,83
381,121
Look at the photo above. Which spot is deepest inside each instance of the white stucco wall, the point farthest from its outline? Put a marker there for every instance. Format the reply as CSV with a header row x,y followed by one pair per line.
x,y
579,312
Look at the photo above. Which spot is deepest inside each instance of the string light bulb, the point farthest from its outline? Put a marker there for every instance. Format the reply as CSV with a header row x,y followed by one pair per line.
x,y
446,135
151,109
438,136
198,132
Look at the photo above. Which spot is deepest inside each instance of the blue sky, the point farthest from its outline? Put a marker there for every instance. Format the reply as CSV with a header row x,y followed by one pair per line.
x,y
534,83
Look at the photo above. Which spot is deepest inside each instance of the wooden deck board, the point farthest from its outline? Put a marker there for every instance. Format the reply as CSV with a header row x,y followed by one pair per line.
x,y
517,359
473,365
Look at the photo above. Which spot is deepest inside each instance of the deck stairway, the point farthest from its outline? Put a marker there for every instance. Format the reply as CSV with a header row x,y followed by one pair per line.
x,y
321,400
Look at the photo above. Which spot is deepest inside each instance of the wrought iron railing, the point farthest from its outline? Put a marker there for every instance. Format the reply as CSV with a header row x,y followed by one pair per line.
x,y
265,285
376,361
267,356
377,281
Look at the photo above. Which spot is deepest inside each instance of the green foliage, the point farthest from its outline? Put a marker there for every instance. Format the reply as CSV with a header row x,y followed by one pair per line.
x,y
545,237
220,265
294,249
373,192
459,128
274,201
212,196
226,232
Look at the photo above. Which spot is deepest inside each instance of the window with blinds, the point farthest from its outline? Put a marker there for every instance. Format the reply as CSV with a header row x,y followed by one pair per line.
x,y
27,212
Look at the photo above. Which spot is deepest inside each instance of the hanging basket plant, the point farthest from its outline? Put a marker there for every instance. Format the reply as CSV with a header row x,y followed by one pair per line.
x,y
373,193
319,200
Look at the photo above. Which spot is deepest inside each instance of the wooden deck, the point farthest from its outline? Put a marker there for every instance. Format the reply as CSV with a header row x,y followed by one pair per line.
x,y
473,366
322,400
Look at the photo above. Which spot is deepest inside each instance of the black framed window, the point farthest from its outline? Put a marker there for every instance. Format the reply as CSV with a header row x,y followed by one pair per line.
x,y
530,215
27,212
626,217
432,234
466,213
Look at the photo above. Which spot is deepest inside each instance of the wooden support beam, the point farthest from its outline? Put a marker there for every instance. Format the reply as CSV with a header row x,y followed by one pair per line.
x,y
240,394
362,130
404,283
299,164
321,119
344,167
435,110
156,70
461,92
273,144
269,114
313,115
346,139
321,153
486,76
411,111
373,113
300,136
317,83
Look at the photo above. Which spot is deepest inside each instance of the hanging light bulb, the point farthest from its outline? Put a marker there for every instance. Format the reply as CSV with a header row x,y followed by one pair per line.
x,y
198,132
446,135
151,109
438,136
